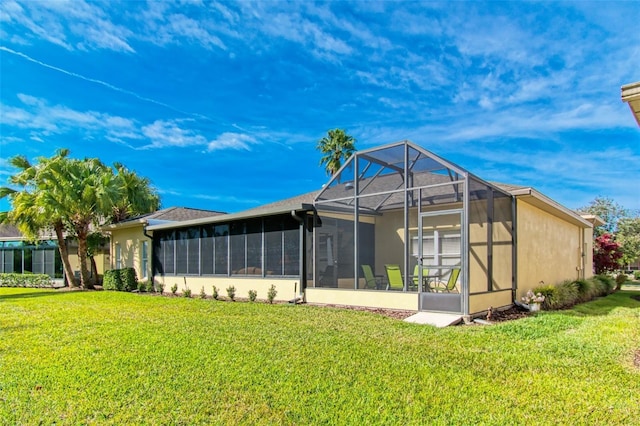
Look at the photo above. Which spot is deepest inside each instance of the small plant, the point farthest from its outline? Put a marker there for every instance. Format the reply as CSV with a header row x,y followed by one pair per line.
x,y
215,293
174,289
636,275
202,294
252,295
531,298
160,288
142,286
186,292
231,293
148,286
272,293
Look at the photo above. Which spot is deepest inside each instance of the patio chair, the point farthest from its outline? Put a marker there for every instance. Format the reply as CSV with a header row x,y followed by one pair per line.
x,y
449,286
394,277
371,281
416,278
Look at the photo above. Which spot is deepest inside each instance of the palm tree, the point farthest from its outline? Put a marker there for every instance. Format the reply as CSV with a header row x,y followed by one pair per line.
x,y
73,195
35,207
336,147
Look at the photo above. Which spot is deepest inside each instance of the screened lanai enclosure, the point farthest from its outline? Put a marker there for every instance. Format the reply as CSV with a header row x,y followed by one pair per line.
x,y
399,219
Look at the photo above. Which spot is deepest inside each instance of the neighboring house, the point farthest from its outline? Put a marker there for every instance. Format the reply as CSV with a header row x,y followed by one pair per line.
x,y
631,95
397,207
131,245
19,255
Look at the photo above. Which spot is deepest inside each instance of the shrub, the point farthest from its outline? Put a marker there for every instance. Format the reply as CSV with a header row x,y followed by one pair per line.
x,y
231,293
160,288
215,293
252,295
174,289
202,294
129,279
186,292
112,280
620,279
636,275
25,280
142,286
148,286
549,293
606,284
566,295
272,293
586,289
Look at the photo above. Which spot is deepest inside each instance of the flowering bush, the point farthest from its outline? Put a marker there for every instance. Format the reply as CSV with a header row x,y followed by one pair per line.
x,y
532,297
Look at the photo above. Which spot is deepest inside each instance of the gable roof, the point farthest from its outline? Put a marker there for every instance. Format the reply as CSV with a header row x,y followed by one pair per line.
x,y
168,215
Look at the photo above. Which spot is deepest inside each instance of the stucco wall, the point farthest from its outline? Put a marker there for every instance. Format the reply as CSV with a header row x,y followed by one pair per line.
x,y
287,288
130,240
378,299
549,248
482,302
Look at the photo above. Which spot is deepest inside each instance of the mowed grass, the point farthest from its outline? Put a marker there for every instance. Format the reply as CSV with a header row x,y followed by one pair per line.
x,y
118,358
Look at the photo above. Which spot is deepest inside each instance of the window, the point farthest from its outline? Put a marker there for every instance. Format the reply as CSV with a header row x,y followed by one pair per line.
x,y
118,256
145,259
221,248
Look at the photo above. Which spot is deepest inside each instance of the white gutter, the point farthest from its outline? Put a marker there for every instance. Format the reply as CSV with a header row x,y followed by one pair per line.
x,y
553,205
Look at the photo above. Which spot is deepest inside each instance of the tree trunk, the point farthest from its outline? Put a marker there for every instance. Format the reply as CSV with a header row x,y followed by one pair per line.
x,y
82,232
64,255
94,271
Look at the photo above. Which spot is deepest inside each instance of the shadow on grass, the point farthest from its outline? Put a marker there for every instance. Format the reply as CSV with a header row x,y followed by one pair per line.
x,y
34,293
604,305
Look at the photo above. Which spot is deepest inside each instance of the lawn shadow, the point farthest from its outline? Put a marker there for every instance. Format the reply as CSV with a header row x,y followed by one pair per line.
x,y
35,293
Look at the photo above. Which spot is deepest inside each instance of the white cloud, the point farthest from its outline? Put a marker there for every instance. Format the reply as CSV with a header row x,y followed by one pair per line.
x,y
231,141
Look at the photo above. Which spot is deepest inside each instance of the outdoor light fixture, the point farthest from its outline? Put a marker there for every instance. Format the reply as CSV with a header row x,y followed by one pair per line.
x,y
348,185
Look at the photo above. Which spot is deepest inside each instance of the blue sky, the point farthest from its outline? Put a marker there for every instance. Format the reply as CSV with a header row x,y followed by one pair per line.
x,y
221,104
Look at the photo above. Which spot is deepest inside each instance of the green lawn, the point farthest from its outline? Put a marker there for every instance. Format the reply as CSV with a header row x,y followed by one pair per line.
x,y
118,358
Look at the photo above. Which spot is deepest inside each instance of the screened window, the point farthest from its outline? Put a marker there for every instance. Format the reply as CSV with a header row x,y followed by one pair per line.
x,y
221,248
207,249
118,256
238,249
145,258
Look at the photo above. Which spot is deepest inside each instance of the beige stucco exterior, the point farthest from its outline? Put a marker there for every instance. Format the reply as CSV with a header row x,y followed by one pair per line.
x,y
550,248
130,239
365,298
287,288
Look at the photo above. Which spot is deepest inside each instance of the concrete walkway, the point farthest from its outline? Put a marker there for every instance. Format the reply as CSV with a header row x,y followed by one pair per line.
x,y
435,319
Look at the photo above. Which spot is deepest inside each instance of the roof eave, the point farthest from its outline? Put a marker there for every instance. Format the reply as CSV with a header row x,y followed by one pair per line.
x,y
549,205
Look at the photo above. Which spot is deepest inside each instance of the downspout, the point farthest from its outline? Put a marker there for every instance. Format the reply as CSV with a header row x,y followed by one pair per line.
x,y
302,245
153,266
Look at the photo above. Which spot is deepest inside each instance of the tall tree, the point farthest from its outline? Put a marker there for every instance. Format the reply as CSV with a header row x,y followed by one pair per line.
x,y
335,148
73,195
608,210
135,195
34,205
629,238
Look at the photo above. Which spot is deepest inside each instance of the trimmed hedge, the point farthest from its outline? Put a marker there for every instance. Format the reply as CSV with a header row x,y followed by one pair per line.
x,y
120,280
569,293
25,280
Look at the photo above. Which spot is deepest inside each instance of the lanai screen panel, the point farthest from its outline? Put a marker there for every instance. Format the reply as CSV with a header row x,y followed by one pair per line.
x,y
383,190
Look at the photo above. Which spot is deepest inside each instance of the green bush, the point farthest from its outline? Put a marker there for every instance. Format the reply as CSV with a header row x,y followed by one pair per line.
x,y
566,295
25,280
186,293
271,294
149,286
215,293
636,275
231,293
203,295
605,283
620,279
112,280
548,291
585,290
252,295
129,279
174,289
142,286
160,288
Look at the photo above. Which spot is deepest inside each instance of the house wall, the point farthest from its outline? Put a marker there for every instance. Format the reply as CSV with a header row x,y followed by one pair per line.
x,y
287,288
372,298
482,302
130,241
549,248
